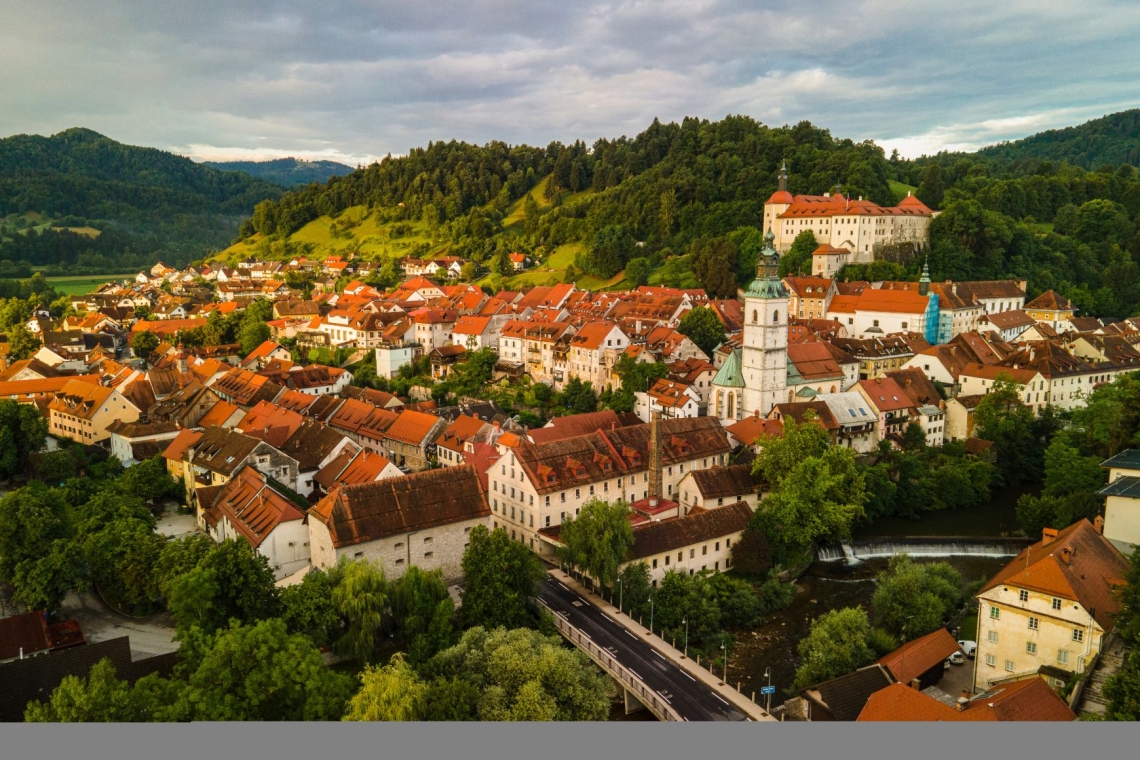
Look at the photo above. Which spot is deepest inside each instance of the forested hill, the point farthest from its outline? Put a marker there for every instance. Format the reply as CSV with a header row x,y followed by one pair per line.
x,y
1108,141
153,203
287,172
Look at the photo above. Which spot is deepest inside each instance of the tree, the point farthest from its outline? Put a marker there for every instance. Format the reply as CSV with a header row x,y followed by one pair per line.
x,y
530,214
258,672
230,581
121,557
635,588
23,431
798,258
799,442
637,272
578,397
360,598
752,554
422,611
500,576
1123,689
22,343
702,326
56,466
307,607
836,645
681,597
1001,417
37,554
99,698
607,255
144,343
521,674
598,540
252,335
391,693
713,262
911,600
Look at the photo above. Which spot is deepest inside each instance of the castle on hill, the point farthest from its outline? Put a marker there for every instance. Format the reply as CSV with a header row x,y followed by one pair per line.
x,y
858,226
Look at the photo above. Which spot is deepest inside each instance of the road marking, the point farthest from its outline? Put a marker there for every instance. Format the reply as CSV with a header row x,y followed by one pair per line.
x,y
664,697
686,675
718,697
631,670
627,633
656,653
583,600
560,583
607,617
749,719
684,719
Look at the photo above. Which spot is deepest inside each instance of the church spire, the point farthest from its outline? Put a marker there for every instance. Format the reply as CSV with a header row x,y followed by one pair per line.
x,y
924,280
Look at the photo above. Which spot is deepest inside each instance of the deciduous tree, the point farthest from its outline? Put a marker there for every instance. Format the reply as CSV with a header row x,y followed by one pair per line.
x,y
500,576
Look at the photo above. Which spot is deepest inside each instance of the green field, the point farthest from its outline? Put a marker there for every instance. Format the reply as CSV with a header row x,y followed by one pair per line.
x,y
899,190
82,284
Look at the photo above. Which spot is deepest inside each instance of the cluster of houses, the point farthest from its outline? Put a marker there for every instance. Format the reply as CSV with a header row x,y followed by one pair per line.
x,y
308,468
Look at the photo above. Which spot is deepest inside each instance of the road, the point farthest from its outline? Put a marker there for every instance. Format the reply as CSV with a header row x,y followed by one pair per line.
x,y
149,636
691,699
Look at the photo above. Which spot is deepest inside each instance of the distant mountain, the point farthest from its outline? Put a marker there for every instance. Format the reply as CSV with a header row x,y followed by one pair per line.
x,y
1110,140
287,172
149,203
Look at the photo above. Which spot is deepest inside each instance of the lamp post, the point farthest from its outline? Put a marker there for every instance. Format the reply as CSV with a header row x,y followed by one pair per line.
x,y
768,675
686,622
651,615
724,648
621,594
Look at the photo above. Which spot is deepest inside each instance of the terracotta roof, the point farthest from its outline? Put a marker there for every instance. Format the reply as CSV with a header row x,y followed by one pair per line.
x,y
798,411
814,362
412,427
80,399
916,657
892,301
994,371
222,450
253,506
916,385
463,428
1031,699
573,425
592,335
351,467
886,395
1079,564
668,535
751,429
470,325
47,385
1008,320
356,514
183,441
218,414
1050,300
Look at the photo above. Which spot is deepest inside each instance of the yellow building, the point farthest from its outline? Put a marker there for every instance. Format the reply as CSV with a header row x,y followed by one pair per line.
x,y
1050,307
1051,606
1122,500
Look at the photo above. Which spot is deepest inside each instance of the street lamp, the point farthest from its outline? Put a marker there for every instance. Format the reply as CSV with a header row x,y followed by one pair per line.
x,y
724,648
621,594
686,622
768,675
651,615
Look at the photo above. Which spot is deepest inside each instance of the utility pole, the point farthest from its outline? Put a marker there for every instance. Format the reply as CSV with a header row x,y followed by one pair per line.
x,y
724,648
768,675
686,622
621,594
651,615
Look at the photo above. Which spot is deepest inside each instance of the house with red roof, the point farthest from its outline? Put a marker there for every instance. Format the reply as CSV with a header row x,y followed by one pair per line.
x,y
1030,699
890,403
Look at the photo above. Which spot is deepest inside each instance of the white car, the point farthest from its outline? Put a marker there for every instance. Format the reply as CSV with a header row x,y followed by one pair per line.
x,y
957,659
969,647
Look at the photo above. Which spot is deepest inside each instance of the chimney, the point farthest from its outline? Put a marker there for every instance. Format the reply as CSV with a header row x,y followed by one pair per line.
x,y
915,684
1098,523
654,458
1066,555
1047,535
964,700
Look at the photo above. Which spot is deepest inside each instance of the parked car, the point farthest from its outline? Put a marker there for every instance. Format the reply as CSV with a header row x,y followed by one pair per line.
x,y
969,647
957,659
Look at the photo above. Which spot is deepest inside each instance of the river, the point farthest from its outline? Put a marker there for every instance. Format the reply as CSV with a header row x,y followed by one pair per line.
x,y
833,585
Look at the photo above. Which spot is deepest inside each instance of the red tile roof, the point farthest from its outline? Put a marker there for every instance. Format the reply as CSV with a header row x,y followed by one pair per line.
x,y
916,657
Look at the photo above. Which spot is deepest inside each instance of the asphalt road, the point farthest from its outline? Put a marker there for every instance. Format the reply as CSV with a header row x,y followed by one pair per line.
x,y
692,699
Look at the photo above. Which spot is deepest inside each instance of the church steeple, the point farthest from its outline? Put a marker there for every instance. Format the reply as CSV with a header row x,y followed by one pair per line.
x,y
768,283
924,280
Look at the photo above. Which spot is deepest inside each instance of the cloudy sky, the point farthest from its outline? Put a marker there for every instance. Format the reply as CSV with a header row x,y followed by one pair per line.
x,y
355,79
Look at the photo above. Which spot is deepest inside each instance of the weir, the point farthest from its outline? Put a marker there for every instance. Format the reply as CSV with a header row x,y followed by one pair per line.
x,y
922,546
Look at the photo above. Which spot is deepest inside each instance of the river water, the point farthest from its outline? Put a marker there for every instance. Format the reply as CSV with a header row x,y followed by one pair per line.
x,y
833,585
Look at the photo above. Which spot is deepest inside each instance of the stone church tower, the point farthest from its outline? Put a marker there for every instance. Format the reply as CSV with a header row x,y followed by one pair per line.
x,y
764,355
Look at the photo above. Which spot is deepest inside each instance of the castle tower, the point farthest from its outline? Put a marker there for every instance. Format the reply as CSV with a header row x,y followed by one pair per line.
x,y
764,356
779,202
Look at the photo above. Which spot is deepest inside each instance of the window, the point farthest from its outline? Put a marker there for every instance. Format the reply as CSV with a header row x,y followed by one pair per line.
x,y
548,521
399,545
1031,647
991,660
1078,634
666,560
1023,595
717,547
400,561
1056,604
427,539
655,564
1063,656
995,613
992,637
1009,665
1033,623
358,554
692,553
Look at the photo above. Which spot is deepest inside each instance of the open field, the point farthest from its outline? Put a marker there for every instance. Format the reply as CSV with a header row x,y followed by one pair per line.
x,y
80,284
899,190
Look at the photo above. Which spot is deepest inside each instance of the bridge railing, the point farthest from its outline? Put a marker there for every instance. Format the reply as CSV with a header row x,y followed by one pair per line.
x,y
647,696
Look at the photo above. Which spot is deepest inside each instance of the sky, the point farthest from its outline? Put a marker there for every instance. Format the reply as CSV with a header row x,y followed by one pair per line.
x,y
354,80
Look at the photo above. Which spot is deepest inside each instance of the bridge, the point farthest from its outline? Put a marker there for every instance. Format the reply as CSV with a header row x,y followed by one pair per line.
x,y
669,685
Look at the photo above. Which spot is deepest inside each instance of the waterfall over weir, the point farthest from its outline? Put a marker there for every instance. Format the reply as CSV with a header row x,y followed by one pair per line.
x,y
922,546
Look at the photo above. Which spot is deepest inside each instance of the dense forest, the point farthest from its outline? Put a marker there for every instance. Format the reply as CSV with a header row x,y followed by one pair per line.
x,y
1108,141
147,204
287,172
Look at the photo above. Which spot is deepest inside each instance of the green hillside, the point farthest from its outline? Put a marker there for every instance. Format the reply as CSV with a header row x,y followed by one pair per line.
x,y
286,172
148,204
1108,141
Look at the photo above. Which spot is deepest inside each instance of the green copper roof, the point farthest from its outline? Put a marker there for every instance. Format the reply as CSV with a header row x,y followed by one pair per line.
x,y
766,288
729,375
